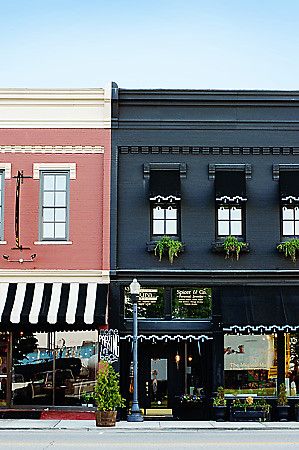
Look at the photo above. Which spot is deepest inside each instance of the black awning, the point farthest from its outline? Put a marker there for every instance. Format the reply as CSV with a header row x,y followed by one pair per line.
x,y
230,186
57,306
260,306
289,186
165,185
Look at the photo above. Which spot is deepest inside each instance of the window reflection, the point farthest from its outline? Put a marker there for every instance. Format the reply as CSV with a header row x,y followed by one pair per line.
x,y
54,368
150,303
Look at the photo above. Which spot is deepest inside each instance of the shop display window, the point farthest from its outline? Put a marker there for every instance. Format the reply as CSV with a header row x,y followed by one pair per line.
x,y
54,368
191,303
3,367
250,364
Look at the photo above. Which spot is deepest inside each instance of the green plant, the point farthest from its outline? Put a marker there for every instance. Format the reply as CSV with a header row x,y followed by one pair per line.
x,y
106,390
289,248
168,245
219,400
233,247
282,399
190,398
257,404
87,397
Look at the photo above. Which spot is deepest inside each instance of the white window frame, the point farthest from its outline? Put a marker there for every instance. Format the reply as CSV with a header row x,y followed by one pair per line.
x,y
43,239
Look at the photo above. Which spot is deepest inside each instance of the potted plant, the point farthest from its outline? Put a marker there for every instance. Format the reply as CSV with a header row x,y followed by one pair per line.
x,y
282,404
219,405
232,247
190,407
107,395
289,248
87,398
169,246
249,410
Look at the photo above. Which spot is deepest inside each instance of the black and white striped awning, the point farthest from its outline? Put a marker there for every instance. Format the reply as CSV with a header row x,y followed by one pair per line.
x,y
47,306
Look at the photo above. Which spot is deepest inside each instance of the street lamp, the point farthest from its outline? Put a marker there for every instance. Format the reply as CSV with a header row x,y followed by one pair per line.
x,y
135,415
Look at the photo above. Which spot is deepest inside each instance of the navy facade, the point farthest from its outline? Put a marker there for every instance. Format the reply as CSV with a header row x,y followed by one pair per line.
x,y
200,131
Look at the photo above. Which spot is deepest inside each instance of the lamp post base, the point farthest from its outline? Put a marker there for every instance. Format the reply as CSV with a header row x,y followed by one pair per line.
x,y
135,417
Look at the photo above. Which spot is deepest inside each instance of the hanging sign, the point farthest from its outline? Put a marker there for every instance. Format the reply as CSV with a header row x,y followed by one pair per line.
x,y
109,345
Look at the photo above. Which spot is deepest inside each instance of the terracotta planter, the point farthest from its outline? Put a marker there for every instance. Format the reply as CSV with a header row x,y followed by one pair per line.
x,y
106,418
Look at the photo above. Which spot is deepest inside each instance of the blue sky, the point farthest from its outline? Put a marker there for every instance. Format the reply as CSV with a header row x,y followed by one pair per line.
x,y
216,44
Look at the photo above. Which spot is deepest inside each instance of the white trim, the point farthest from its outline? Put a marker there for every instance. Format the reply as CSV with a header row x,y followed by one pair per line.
x,y
52,276
55,108
7,170
290,199
50,149
37,167
260,328
53,242
167,337
225,199
3,242
160,198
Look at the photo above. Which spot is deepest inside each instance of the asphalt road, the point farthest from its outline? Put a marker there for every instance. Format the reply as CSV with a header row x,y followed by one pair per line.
x,y
151,440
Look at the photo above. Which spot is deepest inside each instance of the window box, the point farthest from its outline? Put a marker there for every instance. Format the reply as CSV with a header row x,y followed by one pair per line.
x,y
152,245
218,247
250,415
289,248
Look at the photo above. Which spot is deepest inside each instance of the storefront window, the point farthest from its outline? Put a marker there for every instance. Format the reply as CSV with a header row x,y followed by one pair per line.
x,y
3,367
150,303
54,368
191,303
250,364
292,363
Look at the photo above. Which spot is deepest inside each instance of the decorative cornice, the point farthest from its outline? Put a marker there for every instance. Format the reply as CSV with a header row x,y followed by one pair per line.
x,y
56,149
221,151
55,108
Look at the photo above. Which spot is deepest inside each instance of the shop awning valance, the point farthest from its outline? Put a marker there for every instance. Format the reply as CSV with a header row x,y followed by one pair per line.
x,y
289,186
165,185
47,306
230,186
255,308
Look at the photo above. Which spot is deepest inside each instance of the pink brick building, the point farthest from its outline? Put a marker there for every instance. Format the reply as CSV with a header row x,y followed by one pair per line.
x,y
54,239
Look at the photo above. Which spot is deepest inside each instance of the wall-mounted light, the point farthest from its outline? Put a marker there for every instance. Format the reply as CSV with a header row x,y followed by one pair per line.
x,y
190,359
177,360
20,260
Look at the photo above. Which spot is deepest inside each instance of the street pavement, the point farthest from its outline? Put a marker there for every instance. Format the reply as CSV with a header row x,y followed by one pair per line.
x,y
159,425
159,438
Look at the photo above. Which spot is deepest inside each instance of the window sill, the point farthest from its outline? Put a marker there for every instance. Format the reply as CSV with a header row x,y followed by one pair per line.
x,y
3,242
53,242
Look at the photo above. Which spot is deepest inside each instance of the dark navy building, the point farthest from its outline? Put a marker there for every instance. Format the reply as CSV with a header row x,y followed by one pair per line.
x,y
199,167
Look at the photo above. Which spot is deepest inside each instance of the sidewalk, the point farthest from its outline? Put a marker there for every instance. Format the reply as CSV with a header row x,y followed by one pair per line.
x,y
30,424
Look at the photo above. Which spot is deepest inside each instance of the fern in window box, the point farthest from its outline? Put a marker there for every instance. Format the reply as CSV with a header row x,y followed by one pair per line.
x,y
233,247
289,248
167,245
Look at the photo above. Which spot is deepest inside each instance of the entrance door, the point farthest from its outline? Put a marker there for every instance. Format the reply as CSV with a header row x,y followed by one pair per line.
x,y
159,383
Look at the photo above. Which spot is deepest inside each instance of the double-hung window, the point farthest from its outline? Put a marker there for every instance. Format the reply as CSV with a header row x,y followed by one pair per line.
x,y
54,210
289,200
230,193
165,203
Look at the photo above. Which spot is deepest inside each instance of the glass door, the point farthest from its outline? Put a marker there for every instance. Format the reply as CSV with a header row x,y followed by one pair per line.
x,y
159,388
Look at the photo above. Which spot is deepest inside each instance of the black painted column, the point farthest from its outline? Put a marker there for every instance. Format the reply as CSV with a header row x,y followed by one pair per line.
x,y
280,358
218,341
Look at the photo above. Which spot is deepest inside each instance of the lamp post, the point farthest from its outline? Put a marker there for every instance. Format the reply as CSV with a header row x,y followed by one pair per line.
x,y
135,415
